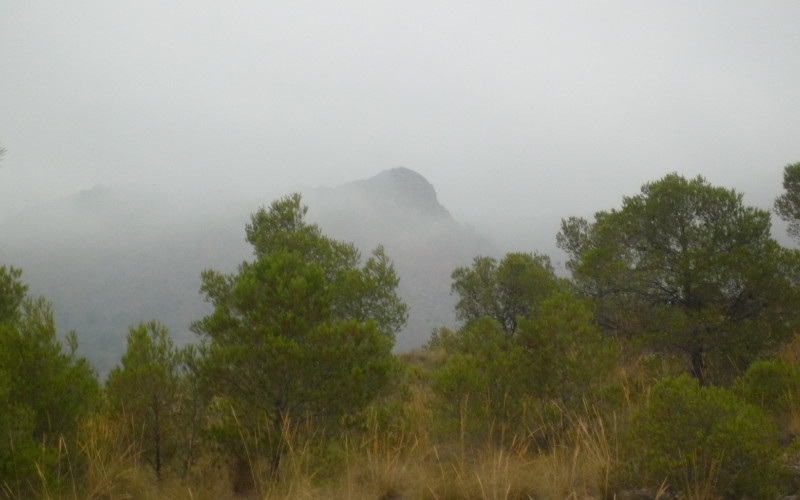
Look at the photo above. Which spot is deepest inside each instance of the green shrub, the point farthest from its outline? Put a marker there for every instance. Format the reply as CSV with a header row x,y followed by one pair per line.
x,y
483,381
45,392
771,385
522,384
693,439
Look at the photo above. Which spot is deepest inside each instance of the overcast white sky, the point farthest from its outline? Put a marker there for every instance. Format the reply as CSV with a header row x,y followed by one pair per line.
x,y
515,111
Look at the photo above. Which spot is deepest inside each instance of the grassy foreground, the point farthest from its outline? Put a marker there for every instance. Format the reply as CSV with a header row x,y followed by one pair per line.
x,y
399,451
381,466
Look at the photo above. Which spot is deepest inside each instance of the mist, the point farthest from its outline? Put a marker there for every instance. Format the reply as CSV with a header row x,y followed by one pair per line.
x,y
140,133
519,114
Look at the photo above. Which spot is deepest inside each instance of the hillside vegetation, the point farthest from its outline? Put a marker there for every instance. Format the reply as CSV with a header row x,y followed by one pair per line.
x,y
665,366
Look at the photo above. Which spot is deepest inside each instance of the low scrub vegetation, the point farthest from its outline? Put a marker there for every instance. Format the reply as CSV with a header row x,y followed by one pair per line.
x,y
675,439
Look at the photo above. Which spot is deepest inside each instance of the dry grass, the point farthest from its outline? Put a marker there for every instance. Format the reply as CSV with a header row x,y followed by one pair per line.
x,y
396,454
396,463
790,352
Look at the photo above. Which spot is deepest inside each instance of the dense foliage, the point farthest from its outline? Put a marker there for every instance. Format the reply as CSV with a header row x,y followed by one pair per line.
x,y
300,333
554,360
503,290
702,440
45,392
787,205
687,268
773,386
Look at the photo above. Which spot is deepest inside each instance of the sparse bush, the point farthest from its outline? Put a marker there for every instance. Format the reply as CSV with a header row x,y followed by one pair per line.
x,y
690,438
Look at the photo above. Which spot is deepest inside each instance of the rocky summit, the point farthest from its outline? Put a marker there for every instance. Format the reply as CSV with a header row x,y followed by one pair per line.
x,y
400,189
398,209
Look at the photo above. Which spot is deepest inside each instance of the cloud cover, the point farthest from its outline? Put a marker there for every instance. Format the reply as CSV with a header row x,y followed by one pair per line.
x,y
519,113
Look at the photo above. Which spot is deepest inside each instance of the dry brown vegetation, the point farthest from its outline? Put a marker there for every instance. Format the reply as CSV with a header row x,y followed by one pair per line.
x,y
401,454
376,467
400,459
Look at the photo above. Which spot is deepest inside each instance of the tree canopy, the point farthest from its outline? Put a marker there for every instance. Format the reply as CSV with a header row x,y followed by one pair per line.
x,y
690,268
556,357
44,391
303,331
787,205
503,290
12,292
144,392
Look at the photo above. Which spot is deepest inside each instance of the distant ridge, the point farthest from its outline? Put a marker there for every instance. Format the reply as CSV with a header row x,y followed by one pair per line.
x,y
398,209
110,257
403,188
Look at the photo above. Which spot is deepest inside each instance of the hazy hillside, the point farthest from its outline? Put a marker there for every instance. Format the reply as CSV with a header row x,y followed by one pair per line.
x,y
398,208
108,258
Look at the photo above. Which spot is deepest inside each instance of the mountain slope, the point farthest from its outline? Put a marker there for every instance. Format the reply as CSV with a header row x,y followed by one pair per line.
x,y
108,258
398,208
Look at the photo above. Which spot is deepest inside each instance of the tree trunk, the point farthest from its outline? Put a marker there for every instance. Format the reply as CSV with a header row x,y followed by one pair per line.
x,y
188,459
157,439
277,428
698,365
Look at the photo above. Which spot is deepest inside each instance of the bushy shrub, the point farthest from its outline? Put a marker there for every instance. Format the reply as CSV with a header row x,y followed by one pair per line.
x,y
522,384
483,380
771,385
693,438
566,354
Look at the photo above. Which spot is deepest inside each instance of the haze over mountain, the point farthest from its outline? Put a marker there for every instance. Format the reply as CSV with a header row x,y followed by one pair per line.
x,y
398,208
108,257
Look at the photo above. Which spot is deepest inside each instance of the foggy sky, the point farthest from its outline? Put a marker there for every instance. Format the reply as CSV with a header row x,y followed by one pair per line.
x,y
519,113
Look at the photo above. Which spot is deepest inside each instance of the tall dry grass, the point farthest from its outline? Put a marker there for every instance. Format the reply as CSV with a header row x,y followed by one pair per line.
x,y
409,463
378,462
395,452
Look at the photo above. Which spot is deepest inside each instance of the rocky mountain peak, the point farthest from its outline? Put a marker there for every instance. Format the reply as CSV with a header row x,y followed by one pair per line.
x,y
398,209
401,188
